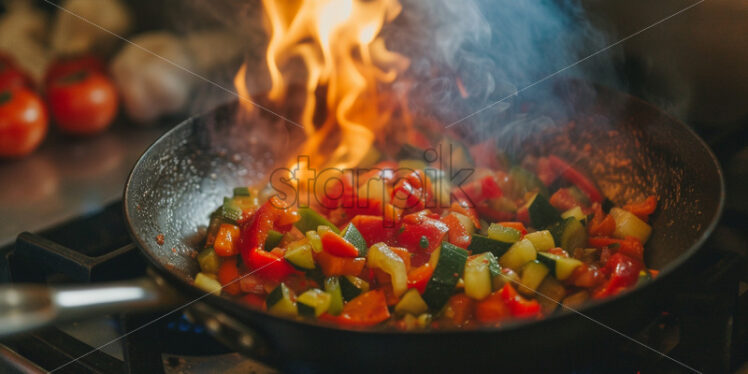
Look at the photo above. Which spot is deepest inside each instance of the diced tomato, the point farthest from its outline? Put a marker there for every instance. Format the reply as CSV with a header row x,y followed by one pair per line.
x,y
420,276
228,274
630,246
375,229
518,305
515,225
226,239
367,309
563,200
643,209
335,245
416,226
577,178
457,234
624,272
492,308
460,308
334,265
464,208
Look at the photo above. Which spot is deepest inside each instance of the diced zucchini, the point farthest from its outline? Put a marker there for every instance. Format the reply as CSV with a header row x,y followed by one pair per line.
x,y
561,267
241,191
526,181
466,222
280,301
230,210
449,269
314,240
351,286
542,240
313,302
532,275
507,275
209,261
627,224
481,244
478,276
274,238
570,234
208,284
542,213
300,256
310,220
519,254
503,234
380,256
575,212
411,303
216,219
353,236
424,320
332,286
550,293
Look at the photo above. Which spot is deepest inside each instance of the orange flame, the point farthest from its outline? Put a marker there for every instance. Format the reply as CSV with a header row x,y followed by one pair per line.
x,y
345,59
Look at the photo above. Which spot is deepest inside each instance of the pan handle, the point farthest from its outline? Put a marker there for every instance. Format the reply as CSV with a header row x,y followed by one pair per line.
x,y
27,307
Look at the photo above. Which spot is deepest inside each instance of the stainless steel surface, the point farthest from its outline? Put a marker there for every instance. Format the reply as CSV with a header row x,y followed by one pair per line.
x,y
26,307
68,177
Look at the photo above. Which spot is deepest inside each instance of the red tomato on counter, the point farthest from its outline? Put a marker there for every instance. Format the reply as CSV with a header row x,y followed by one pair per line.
x,y
82,102
23,122
63,67
11,75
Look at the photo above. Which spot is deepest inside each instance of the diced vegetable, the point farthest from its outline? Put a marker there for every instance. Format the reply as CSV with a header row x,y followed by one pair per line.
x,y
412,303
310,220
207,283
336,265
274,238
241,191
506,275
525,181
575,212
478,276
542,213
226,240
351,286
532,275
332,287
230,210
550,293
280,301
353,236
576,300
209,261
449,269
481,244
570,234
335,245
380,256
300,256
627,224
542,240
466,222
560,267
367,309
313,302
519,254
503,234
314,240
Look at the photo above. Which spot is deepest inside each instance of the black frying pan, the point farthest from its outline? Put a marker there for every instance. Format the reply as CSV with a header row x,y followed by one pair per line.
x,y
184,175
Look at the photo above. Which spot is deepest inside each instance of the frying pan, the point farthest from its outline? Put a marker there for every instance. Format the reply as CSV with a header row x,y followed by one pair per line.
x,y
635,150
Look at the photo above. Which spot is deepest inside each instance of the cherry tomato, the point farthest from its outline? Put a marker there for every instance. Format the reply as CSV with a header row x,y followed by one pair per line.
x,y
83,102
11,75
23,122
64,67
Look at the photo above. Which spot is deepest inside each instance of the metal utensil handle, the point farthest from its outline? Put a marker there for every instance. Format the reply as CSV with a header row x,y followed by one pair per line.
x,y
27,307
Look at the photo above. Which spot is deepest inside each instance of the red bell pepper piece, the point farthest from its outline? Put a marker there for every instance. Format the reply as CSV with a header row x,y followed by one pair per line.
x,y
518,305
577,178
226,239
624,272
416,226
413,192
601,224
492,308
545,171
335,245
364,310
335,265
490,187
643,209
630,246
420,276
253,300
563,200
460,308
255,233
463,207
457,234
228,275
375,229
